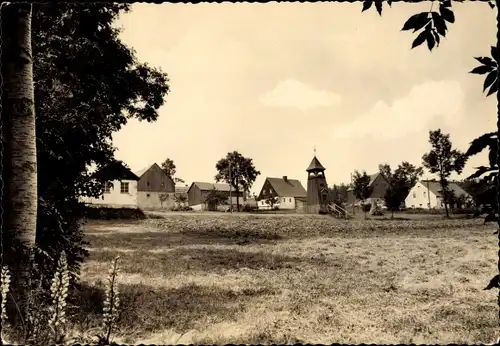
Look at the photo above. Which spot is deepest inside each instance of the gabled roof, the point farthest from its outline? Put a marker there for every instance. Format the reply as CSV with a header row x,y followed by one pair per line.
x,y
181,188
435,188
315,165
288,188
209,186
144,170
373,177
116,170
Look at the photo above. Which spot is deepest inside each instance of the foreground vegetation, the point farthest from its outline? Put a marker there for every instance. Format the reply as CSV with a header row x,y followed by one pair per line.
x,y
222,279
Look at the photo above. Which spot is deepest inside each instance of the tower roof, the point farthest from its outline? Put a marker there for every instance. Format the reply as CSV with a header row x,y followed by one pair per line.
x,y
315,165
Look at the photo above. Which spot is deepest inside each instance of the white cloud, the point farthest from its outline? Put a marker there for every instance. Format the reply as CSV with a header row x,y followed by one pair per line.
x,y
292,93
410,114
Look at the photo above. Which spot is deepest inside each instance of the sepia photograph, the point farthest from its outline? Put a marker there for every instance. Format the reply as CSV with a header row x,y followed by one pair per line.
x,y
250,173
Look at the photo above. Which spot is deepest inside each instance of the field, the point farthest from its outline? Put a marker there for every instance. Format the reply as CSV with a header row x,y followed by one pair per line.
x,y
217,278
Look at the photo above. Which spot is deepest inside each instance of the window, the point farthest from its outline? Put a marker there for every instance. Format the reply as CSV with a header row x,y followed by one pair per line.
x,y
123,187
147,195
424,193
108,187
290,200
414,195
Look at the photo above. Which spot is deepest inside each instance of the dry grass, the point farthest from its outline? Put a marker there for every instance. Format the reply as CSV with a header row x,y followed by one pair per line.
x,y
207,279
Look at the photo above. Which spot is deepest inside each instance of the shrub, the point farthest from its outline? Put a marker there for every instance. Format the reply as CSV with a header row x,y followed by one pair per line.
x,y
106,213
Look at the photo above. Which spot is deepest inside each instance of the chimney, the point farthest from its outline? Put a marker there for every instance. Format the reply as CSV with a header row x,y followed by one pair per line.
x,y
285,178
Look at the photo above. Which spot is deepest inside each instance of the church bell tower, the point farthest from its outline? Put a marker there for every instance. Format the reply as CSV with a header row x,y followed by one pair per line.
x,y
317,188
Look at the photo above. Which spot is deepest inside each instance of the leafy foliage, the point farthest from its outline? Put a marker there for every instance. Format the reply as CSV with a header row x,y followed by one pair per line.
x,y
443,160
168,166
77,113
238,171
339,194
215,197
361,185
399,183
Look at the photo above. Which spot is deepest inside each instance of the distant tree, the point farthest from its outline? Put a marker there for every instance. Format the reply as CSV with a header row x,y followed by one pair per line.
x,y
168,166
399,183
443,160
339,193
271,200
179,180
361,187
180,199
163,198
238,171
215,197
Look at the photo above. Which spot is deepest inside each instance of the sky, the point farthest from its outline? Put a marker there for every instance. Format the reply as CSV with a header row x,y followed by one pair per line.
x,y
273,81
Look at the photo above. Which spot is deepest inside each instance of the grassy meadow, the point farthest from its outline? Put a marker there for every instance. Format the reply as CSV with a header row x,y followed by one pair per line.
x,y
217,278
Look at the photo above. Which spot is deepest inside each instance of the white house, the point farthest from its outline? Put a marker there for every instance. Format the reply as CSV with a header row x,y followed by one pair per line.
x,y
120,189
287,193
426,194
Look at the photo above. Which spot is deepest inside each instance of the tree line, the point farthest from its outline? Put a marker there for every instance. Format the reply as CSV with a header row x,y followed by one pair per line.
x,y
234,169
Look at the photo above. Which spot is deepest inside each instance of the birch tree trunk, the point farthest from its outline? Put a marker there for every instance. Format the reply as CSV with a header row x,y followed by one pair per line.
x,y
19,197
19,120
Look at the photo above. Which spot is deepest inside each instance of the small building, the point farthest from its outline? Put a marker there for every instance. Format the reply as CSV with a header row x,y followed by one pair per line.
x,y
287,193
379,188
120,187
198,191
155,189
427,194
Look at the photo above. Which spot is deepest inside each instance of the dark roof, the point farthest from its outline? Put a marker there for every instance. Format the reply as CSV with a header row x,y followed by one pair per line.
x,y
288,188
116,170
315,165
435,188
209,186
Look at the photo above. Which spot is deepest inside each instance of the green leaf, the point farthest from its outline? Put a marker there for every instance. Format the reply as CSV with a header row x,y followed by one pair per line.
x,y
378,6
483,69
492,155
489,80
416,22
436,37
439,23
480,143
494,53
445,3
493,89
486,61
430,39
479,172
447,14
366,5
419,40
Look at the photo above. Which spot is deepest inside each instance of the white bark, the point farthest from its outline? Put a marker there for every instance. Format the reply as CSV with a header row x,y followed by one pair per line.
x,y
20,108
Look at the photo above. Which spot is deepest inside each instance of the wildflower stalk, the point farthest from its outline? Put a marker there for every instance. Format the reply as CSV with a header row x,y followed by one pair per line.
x,y
59,295
111,302
4,287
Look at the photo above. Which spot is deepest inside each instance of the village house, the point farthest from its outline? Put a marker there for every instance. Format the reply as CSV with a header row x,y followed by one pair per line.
x,y
198,191
120,187
427,194
379,187
155,189
289,193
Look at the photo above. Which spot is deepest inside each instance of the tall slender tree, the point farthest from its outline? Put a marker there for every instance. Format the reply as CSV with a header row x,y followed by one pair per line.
x,y
19,159
238,171
443,160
